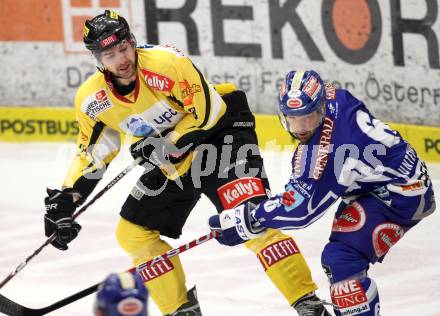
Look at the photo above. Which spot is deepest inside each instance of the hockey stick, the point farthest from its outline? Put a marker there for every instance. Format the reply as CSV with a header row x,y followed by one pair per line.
x,y
79,212
12,308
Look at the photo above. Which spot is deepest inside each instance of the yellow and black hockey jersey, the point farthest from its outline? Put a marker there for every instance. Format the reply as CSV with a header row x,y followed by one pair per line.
x,y
170,94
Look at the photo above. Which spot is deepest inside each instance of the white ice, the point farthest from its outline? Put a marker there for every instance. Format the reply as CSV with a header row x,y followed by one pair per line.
x,y
230,281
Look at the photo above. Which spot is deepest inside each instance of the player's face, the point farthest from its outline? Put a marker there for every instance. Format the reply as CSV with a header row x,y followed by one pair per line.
x,y
120,60
304,126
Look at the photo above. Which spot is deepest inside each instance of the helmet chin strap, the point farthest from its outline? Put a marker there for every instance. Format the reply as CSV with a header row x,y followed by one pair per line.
x,y
286,125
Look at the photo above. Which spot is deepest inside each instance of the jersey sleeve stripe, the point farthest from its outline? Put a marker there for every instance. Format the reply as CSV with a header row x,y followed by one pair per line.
x,y
97,130
216,108
207,98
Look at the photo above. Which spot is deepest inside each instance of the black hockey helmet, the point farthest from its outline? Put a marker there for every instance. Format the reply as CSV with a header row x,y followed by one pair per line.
x,y
105,31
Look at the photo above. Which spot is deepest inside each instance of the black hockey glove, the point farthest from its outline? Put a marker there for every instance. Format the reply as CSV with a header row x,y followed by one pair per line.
x,y
158,151
58,218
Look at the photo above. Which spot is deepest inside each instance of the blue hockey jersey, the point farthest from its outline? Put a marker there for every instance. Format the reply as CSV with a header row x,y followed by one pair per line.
x,y
351,154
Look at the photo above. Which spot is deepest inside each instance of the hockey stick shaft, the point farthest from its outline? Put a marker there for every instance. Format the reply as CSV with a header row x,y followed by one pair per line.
x,y
79,212
12,308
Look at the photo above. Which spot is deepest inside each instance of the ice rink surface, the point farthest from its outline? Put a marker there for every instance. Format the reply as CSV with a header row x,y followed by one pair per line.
x,y
230,281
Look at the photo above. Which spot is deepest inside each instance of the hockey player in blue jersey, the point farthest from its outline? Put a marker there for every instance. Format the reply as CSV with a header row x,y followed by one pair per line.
x,y
344,154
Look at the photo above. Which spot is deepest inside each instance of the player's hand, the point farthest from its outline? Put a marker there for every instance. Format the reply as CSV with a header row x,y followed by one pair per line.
x,y
236,225
58,218
158,150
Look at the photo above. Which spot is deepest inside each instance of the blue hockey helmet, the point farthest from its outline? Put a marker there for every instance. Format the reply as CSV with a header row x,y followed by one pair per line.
x,y
122,294
301,94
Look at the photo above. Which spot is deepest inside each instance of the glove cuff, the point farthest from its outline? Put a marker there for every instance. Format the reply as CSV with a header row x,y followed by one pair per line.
x,y
76,196
245,223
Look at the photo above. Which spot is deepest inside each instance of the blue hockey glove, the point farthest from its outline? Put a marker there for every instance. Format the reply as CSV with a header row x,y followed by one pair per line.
x,y
236,225
58,218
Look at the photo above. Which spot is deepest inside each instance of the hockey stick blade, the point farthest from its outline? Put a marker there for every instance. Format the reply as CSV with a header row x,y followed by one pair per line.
x,y
79,212
12,308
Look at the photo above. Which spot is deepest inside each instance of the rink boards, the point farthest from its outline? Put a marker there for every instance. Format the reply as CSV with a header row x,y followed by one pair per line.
x,y
49,124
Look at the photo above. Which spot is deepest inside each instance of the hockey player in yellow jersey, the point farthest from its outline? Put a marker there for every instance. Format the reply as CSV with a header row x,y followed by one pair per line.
x,y
157,94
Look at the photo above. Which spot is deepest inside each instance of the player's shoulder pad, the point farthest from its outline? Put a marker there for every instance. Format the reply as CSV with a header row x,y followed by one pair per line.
x,y
341,103
92,97
160,51
160,58
345,97
145,46
93,83
225,88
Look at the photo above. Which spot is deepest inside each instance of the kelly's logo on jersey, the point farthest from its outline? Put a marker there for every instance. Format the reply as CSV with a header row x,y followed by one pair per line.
x,y
157,81
236,192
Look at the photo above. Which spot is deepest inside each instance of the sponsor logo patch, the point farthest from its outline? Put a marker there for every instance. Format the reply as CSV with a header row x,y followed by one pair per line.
x,y
350,297
101,96
236,192
385,236
324,148
166,116
297,170
109,40
83,136
330,91
96,104
152,121
138,127
188,91
291,199
137,193
312,87
155,270
418,185
86,31
130,306
294,103
278,251
351,219
157,81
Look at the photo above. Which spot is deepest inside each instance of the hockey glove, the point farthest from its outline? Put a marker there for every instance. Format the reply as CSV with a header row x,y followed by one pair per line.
x,y
158,151
236,225
58,218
